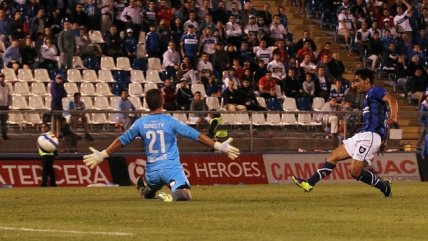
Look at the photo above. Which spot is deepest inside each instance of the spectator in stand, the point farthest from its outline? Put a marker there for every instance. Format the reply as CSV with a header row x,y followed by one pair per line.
x,y
264,32
38,23
130,45
107,13
263,53
338,92
192,21
231,98
190,45
233,8
93,16
247,97
153,42
186,71
330,121
204,10
308,86
265,14
208,22
292,86
84,46
67,45
389,58
58,92
423,119
415,63
77,15
177,31
213,89
132,15
184,96
169,96
171,61
281,50
404,44
322,84
164,12
247,12
282,17
347,25
307,65
336,67
231,77
422,38
48,55
17,25
208,42
418,85
401,20
401,72
389,30
233,32
12,57
220,32
325,51
355,98
220,13
125,120
149,17
198,104
5,102
374,29
76,106
164,34
306,50
183,11
114,43
325,64
278,31
375,49
417,51
4,23
386,17
29,54
118,8
306,38
251,31
245,54
205,69
277,68
220,61
362,40
260,71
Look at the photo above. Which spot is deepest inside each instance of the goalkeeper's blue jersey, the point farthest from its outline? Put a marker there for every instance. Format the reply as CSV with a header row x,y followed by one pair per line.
x,y
158,133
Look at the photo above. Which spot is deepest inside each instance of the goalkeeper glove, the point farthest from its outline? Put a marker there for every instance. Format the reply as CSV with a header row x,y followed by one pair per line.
x,y
225,147
92,160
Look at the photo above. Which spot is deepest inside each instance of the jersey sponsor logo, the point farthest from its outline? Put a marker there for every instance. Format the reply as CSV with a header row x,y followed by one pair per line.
x,y
158,158
362,149
190,41
153,125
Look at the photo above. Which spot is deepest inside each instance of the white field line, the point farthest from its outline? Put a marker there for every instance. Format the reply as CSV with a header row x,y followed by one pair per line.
x,y
65,231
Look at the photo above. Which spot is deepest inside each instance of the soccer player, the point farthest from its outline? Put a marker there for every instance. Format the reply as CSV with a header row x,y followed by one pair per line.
x,y
158,132
364,145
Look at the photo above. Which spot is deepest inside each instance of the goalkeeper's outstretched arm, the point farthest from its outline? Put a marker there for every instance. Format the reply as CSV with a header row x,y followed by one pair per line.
x,y
225,147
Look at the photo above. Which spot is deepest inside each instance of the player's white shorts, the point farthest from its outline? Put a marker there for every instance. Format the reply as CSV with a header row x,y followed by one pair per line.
x,y
363,146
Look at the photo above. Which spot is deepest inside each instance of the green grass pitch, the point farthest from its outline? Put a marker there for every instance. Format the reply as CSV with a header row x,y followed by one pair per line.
x,y
352,211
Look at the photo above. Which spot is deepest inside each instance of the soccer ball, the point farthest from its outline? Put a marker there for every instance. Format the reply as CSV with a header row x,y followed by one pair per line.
x,y
48,142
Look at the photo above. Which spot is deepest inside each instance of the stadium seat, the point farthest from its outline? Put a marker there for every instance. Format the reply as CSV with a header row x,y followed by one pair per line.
x,y
73,75
25,75
318,103
200,88
304,119
89,75
136,101
289,104
78,63
137,76
96,37
104,75
228,118
48,100
41,75
122,63
289,119
278,92
19,102
149,86
16,119
99,118
145,107
141,51
38,88
9,75
135,89
101,103
154,64
102,89
92,63
242,118
89,104
273,119
33,118
87,89
107,62
139,63
153,76
113,102
262,101
71,88
65,101
21,88
36,102
258,119
212,103
142,37
180,116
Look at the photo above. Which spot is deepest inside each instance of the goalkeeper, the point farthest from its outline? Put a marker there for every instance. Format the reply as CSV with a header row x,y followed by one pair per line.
x,y
158,133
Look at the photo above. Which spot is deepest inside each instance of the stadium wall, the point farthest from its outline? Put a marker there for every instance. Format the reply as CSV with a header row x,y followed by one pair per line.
x,y
205,169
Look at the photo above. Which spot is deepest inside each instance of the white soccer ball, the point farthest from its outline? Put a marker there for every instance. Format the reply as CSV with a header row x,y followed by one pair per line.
x,y
48,142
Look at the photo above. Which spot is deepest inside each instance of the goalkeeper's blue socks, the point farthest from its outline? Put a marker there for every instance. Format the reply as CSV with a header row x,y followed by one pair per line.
x,y
321,173
372,180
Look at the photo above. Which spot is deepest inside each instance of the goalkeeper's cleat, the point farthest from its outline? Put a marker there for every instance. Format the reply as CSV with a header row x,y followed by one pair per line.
x,y
141,185
165,197
302,183
388,191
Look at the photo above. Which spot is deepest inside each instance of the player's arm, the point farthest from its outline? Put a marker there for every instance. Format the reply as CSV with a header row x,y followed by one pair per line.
x,y
393,106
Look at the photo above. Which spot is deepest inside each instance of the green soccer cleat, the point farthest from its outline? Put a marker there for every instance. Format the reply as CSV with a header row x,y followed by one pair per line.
x,y
388,191
302,183
165,197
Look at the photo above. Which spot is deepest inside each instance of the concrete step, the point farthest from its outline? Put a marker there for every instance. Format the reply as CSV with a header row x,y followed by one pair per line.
x,y
411,129
410,135
408,122
408,115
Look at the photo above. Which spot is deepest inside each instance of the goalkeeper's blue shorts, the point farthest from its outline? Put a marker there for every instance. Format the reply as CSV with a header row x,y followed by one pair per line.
x,y
174,178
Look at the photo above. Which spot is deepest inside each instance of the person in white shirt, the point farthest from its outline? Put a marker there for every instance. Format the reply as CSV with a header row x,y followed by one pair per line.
x,y
278,31
362,39
205,69
233,31
262,53
192,21
307,65
346,25
132,14
401,20
251,31
387,23
208,42
171,61
49,54
277,68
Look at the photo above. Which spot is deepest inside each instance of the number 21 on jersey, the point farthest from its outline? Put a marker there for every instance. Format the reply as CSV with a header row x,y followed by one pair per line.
x,y
152,137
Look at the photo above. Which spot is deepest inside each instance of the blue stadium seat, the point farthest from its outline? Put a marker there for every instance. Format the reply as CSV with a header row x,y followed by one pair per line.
x,y
92,63
140,63
304,103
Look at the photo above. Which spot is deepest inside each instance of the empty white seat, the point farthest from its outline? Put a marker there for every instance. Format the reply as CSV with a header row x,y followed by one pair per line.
x,y
96,37
212,103
48,100
149,86
101,103
41,75
200,88
38,88
113,102
318,103
89,75
87,89
154,64
89,104
99,118
19,102
136,101
273,119
289,119
71,88
137,76
123,63
153,76
33,118
16,119
9,75
107,62
262,101
228,118
180,116
21,88
304,119
258,119
73,75
25,75
242,119
65,101
141,51
104,75
135,89
289,104
77,63
102,89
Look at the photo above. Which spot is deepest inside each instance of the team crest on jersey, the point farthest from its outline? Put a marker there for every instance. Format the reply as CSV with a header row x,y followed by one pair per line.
x,y
362,149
